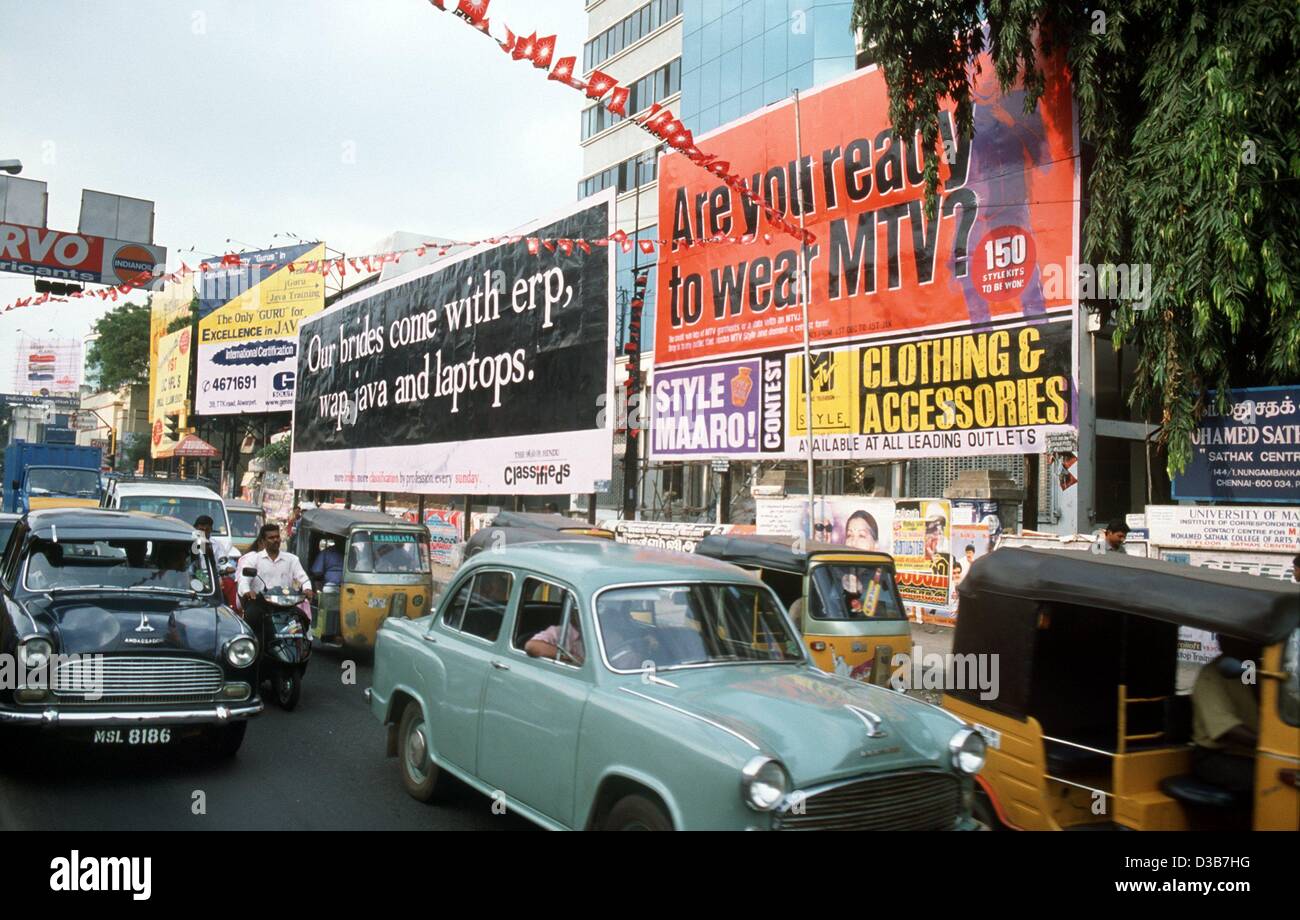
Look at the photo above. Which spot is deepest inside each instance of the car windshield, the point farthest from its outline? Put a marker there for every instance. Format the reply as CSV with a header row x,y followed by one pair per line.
x,y
184,509
668,626
245,524
855,592
380,553
78,483
146,565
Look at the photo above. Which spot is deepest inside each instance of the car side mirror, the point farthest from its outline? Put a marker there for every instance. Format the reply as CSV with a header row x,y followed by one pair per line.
x,y
250,572
1231,668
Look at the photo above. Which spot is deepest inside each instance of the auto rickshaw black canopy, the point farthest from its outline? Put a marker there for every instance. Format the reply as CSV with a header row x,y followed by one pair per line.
x,y
769,552
339,522
538,521
1260,610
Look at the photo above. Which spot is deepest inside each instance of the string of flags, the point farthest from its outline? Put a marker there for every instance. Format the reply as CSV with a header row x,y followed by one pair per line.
x,y
373,262
657,120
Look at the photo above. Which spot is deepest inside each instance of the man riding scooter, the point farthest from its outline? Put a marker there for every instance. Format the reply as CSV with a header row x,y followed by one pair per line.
x,y
271,585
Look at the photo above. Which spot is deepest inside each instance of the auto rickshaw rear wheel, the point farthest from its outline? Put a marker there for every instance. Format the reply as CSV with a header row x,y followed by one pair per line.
x,y
637,813
423,780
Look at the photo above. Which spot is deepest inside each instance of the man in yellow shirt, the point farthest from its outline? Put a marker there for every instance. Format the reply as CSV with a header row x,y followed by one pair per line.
x,y
1225,721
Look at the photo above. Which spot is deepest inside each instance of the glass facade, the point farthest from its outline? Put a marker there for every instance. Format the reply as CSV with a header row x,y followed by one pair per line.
x,y
741,55
633,172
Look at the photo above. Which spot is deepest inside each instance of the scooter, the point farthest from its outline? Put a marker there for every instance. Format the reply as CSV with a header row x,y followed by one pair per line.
x,y
284,633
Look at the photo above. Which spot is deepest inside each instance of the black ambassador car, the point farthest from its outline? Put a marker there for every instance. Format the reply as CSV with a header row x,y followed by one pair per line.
x,y
116,632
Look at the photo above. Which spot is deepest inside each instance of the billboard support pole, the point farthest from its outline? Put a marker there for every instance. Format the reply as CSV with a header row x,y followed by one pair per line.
x,y
805,296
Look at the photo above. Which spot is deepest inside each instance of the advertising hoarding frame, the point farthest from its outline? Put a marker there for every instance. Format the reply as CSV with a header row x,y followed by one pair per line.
x,y
425,468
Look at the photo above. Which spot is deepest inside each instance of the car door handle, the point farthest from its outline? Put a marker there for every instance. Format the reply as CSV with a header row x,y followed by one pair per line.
x,y
500,667
430,638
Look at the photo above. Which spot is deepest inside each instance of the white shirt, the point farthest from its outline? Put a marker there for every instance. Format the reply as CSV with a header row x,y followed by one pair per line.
x,y
284,571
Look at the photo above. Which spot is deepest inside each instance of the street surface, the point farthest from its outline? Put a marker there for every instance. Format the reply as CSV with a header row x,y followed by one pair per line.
x,y
321,767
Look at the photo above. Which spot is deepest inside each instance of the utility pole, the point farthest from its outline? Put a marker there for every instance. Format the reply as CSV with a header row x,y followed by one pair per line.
x,y
632,441
805,297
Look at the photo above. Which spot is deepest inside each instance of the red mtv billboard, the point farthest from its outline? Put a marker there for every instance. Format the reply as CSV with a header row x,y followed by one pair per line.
x,y
880,265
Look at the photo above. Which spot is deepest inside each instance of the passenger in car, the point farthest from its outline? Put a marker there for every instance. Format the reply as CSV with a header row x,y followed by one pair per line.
x,y
547,643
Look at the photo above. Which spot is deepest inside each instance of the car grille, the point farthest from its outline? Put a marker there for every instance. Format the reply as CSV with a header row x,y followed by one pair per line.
x,y
136,680
898,802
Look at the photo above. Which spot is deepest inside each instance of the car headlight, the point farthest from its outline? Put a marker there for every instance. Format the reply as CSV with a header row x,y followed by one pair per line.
x,y
968,749
763,783
241,652
35,652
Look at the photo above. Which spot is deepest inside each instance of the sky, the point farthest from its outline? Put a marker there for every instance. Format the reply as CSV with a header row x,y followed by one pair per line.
x,y
336,120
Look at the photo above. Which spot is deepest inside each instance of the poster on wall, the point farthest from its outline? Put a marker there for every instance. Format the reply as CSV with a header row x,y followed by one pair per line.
x,y
248,330
487,373
916,532
1249,454
969,543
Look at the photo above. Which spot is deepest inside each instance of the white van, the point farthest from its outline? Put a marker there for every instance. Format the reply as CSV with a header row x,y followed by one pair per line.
x,y
184,501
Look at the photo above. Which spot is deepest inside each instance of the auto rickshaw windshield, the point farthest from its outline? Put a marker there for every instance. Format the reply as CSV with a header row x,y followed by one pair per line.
x,y
380,553
855,592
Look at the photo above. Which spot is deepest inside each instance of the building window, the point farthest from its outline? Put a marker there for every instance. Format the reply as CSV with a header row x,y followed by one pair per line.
x,y
628,31
653,87
632,173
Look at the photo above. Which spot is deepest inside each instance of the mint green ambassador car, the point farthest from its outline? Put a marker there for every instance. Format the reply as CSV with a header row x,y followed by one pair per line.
x,y
673,693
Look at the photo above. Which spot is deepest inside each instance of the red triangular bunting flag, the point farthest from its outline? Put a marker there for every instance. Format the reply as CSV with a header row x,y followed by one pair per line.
x,y
647,246
524,48
543,51
473,10
599,84
618,100
563,71
534,246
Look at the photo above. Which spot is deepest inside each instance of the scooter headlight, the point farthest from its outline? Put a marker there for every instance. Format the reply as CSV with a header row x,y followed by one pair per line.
x,y
241,652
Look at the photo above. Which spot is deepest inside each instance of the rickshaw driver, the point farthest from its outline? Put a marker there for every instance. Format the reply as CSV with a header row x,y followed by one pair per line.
x,y
1225,722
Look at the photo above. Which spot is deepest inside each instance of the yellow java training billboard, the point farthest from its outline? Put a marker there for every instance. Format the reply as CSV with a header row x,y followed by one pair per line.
x,y
248,330
169,357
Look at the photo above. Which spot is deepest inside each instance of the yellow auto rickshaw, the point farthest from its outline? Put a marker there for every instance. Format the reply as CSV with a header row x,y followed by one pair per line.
x,y
246,520
365,567
1086,725
844,601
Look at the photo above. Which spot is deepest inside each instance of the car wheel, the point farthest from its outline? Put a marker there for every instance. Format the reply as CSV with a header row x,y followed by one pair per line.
x,y
636,813
288,687
420,775
224,742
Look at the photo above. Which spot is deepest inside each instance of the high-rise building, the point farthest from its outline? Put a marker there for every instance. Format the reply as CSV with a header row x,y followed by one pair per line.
x,y
741,55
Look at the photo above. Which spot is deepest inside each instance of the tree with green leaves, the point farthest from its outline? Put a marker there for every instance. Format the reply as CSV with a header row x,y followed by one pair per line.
x,y
120,355
1192,111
